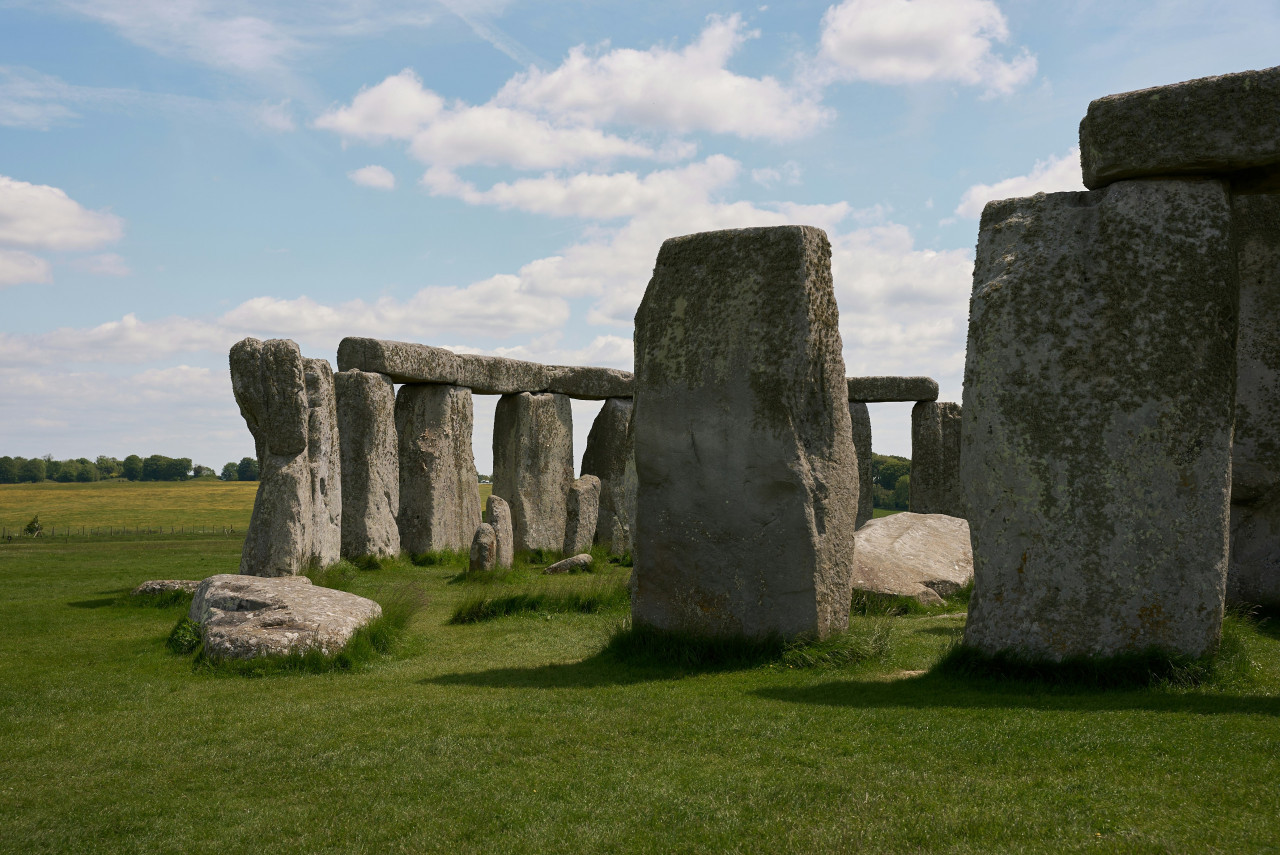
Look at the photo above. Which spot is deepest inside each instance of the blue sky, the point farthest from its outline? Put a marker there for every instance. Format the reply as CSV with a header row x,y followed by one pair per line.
x,y
497,177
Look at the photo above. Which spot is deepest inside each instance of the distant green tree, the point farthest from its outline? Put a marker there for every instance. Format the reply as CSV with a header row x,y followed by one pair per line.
x,y
902,493
230,472
53,469
67,470
32,471
199,471
887,469
131,468
87,472
108,467
8,470
247,470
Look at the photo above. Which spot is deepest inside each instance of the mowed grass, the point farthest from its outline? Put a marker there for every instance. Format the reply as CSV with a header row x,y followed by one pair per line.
x,y
535,733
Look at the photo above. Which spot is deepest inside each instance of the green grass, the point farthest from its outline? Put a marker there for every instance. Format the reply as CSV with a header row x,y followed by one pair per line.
x,y
112,505
600,596
530,733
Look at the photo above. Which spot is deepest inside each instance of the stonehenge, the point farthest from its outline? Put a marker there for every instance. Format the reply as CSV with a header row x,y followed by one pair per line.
x,y
439,504
498,515
861,419
370,466
935,459
533,465
483,557
610,448
582,509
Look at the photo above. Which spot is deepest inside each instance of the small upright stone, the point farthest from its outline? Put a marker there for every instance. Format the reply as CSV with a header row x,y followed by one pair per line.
x,y
498,515
861,419
748,479
582,509
370,469
533,465
610,447
484,550
439,493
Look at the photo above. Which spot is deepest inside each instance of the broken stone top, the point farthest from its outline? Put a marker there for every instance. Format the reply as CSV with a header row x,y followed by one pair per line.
x,y
1227,125
872,390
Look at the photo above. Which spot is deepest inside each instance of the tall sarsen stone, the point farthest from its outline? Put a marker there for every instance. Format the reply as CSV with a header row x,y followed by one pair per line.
x,y
609,449
439,494
370,470
533,465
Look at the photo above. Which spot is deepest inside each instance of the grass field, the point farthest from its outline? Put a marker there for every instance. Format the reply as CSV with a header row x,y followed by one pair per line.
x,y
524,734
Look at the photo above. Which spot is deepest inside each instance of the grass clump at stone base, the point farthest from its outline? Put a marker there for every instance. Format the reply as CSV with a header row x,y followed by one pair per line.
x,y
603,596
160,600
871,603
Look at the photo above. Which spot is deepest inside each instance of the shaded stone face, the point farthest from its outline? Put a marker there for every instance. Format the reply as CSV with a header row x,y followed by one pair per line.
x,y
370,468
533,466
324,457
484,550
747,476
1098,402
439,495
610,446
498,515
935,459
861,419
871,390
582,510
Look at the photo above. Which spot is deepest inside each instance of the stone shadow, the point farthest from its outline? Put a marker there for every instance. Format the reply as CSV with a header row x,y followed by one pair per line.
x,y
100,603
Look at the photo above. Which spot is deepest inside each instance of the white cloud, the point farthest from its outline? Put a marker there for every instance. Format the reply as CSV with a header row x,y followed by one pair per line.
x,y
277,117
1047,176
397,108
37,216
106,264
913,41
18,267
769,176
681,91
378,177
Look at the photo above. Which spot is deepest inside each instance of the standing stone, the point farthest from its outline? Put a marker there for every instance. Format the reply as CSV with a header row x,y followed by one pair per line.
x,y
582,510
1253,575
609,446
324,457
533,465
748,479
370,470
861,419
439,492
1098,404
498,515
268,381
484,550
935,459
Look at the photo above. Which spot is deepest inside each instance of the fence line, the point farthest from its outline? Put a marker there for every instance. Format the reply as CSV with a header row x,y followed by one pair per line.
x,y
7,534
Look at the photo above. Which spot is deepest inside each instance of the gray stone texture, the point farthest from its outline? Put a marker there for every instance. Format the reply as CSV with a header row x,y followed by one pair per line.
x,y
580,563
748,479
582,510
324,457
533,465
925,556
484,550
370,469
1253,574
439,493
165,586
935,459
242,617
1211,126
871,390
270,388
861,419
405,362
609,448
498,515
1098,396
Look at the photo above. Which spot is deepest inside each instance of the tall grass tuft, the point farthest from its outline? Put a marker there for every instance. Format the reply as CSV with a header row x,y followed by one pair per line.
x,y
601,597
870,603
160,600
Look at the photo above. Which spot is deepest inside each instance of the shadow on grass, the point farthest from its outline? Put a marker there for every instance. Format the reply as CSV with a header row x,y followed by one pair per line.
x,y
100,603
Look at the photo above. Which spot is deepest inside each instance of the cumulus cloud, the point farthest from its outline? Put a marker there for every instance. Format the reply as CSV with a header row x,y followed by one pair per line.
x,y
396,108
378,177
1047,176
913,41
37,216
18,268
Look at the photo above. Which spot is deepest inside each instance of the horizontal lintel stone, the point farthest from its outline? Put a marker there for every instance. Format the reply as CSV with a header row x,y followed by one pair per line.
x,y
871,390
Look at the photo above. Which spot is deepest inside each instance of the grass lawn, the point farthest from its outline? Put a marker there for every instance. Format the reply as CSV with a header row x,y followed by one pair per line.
x,y
519,734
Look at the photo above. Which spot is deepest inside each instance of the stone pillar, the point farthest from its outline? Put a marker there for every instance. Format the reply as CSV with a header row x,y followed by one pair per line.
x,y
270,388
609,447
370,471
861,418
582,511
935,459
498,515
439,492
533,465
748,479
1254,572
325,459
1098,405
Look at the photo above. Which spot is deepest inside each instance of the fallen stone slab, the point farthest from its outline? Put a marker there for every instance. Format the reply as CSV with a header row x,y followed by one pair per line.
x,y
923,556
406,362
577,563
243,617
164,586
872,390
1209,126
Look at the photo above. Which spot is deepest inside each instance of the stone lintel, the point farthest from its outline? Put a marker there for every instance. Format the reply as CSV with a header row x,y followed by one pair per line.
x,y
874,390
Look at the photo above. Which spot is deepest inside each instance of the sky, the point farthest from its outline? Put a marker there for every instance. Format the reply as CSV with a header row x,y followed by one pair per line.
x,y
497,176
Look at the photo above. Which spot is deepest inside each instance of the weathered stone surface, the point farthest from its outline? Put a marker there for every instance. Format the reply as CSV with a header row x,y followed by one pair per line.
x,y
1098,399
576,564
164,586
582,511
925,556
324,458
405,362
861,418
533,465
439,494
1209,126
270,388
748,479
871,390
370,469
1253,575
610,446
484,550
935,459
242,617
498,515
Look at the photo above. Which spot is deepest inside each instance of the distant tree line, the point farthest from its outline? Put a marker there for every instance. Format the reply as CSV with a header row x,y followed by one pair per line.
x,y
891,477
157,467
245,470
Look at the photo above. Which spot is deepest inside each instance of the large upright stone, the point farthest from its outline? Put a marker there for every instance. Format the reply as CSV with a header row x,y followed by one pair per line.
x,y
325,459
935,459
439,493
270,388
1098,403
1254,572
748,479
610,446
582,510
1210,126
498,515
861,419
370,470
533,465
